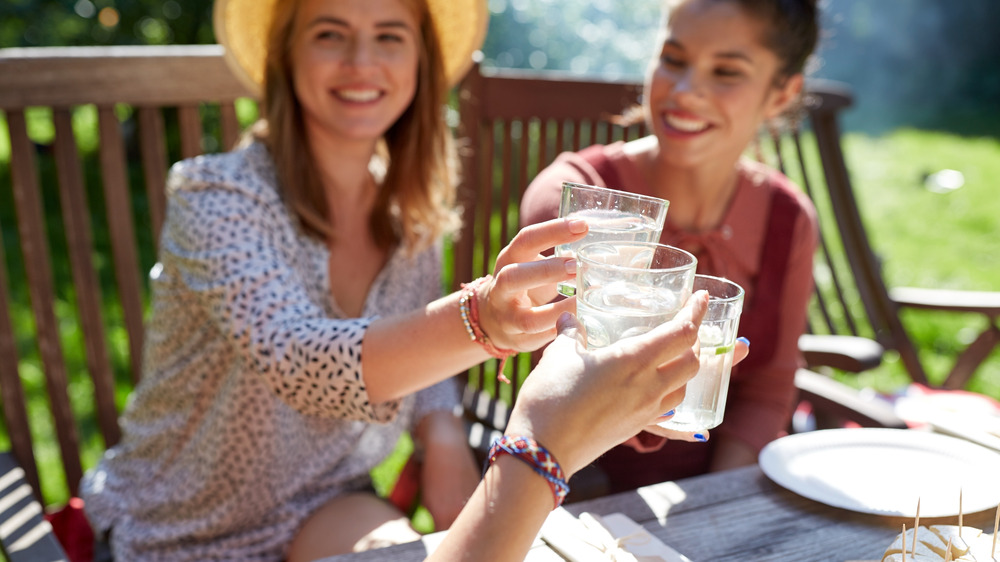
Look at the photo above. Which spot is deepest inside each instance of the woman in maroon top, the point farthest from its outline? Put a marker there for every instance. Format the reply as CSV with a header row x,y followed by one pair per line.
x,y
724,68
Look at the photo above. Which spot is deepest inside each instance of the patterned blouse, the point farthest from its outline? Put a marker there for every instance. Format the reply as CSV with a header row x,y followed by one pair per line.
x,y
252,411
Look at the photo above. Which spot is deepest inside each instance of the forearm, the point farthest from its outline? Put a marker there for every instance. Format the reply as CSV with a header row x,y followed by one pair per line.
x,y
502,517
405,353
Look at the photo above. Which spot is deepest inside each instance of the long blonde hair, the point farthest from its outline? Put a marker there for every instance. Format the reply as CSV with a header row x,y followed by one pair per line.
x,y
415,204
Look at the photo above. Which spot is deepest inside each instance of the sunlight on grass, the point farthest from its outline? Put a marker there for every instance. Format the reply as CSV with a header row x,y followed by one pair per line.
x,y
936,240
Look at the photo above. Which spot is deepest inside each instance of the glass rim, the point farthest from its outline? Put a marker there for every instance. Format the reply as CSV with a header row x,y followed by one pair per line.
x,y
580,255
738,296
638,196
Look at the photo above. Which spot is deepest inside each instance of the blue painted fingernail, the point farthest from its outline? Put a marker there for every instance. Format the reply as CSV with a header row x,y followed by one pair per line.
x,y
744,340
668,414
701,438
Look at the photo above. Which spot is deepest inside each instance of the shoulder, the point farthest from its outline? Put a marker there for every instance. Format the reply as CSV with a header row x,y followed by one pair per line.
x,y
248,170
789,198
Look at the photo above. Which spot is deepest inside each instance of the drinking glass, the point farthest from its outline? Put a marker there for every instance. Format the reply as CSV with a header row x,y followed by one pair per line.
x,y
705,397
612,215
628,288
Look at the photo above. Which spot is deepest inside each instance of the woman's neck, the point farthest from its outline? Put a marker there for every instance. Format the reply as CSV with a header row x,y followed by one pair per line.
x,y
698,195
343,168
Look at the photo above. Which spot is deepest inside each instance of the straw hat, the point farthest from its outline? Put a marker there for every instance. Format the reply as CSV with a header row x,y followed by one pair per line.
x,y
241,27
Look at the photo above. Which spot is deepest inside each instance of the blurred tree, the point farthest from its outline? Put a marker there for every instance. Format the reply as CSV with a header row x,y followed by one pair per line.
x,y
31,23
905,59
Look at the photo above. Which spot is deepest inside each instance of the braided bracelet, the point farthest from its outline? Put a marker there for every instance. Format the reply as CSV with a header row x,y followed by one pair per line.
x,y
468,307
537,457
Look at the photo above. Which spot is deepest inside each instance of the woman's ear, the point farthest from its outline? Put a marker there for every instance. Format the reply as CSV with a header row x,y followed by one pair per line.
x,y
783,96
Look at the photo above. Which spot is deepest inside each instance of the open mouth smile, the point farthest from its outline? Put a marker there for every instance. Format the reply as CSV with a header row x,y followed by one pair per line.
x,y
358,95
685,124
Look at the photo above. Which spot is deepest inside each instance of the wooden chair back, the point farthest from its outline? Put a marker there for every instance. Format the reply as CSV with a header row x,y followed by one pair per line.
x,y
138,109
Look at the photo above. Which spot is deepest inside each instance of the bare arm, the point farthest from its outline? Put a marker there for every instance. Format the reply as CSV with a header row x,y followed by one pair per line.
x,y
403,354
566,406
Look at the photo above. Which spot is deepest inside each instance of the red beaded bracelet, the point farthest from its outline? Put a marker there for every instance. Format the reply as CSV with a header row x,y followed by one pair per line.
x,y
536,456
468,306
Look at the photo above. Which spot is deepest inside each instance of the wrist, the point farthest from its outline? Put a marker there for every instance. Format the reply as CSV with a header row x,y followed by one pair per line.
x,y
537,457
468,307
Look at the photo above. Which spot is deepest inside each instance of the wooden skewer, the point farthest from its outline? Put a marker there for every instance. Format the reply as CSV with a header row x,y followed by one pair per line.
x,y
947,553
996,527
916,528
904,542
959,513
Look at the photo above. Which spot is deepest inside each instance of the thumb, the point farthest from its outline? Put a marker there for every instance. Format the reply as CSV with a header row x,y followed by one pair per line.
x,y
569,326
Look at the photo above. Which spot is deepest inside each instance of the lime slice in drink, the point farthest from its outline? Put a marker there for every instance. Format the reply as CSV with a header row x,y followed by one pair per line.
x,y
724,349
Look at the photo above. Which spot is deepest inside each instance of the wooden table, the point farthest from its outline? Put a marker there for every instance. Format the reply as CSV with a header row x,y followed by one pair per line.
x,y
738,515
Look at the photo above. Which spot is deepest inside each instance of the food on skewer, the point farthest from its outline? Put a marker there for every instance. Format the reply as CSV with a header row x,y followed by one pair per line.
x,y
967,544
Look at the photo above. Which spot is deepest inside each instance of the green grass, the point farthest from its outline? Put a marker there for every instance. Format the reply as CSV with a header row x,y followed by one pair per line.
x,y
927,239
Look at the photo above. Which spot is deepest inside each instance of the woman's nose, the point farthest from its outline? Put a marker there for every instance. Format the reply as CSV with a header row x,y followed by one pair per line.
x,y
360,53
687,84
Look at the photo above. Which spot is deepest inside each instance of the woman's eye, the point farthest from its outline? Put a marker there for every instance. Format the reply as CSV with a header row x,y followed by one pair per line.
x,y
671,61
329,35
390,38
728,73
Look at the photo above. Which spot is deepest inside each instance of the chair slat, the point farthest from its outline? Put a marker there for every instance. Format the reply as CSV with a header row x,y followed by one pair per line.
x,y
874,295
484,199
15,412
88,291
153,148
164,75
191,134
230,125
118,201
34,248
836,278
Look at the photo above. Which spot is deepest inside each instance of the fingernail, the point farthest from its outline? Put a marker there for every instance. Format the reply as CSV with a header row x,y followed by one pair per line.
x,y
570,266
668,414
576,226
701,438
744,340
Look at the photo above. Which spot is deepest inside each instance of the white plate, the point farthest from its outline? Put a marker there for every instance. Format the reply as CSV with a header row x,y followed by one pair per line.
x,y
885,471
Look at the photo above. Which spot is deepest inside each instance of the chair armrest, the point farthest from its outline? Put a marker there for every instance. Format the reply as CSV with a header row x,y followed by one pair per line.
x,y
25,535
983,302
838,401
847,353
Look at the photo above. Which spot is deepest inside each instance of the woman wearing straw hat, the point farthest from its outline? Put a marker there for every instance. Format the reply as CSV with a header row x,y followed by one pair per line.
x,y
295,305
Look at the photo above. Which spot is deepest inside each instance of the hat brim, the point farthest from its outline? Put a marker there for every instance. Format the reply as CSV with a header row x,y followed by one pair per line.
x,y
241,26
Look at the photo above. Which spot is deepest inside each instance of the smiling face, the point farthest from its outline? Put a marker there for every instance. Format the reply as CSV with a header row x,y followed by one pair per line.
x,y
354,65
713,83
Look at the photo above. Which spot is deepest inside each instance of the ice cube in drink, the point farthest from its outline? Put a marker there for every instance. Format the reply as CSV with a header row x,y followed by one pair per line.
x,y
607,226
705,398
621,309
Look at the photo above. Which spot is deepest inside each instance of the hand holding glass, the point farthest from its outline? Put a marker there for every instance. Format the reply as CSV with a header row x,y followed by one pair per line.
x,y
705,396
629,288
612,215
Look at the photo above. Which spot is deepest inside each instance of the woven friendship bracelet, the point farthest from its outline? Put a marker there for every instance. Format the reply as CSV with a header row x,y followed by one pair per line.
x,y
468,306
537,457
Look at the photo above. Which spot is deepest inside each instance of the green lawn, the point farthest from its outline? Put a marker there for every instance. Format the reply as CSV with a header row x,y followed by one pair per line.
x,y
928,239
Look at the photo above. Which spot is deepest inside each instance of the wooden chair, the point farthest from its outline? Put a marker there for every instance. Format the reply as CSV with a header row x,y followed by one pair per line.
x,y
514,123
165,92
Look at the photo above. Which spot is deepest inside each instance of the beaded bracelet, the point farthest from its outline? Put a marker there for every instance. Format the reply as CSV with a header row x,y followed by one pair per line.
x,y
537,457
468,307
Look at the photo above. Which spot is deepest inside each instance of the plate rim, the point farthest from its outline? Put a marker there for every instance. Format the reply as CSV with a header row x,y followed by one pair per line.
x,y
770,461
